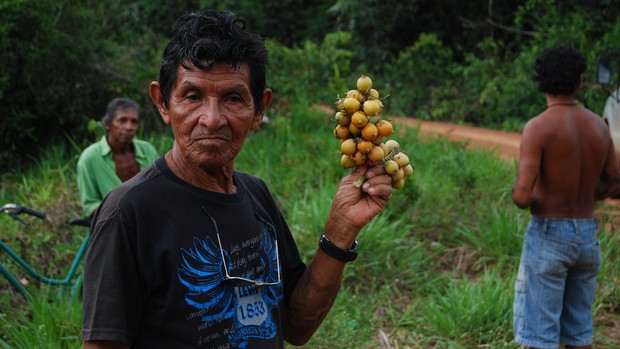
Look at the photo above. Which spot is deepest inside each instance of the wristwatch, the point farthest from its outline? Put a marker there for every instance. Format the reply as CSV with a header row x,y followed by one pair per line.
x,y
336,252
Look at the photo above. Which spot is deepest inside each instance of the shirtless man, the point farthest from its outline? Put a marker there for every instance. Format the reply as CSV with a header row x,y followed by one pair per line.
x,y
117,157
566,163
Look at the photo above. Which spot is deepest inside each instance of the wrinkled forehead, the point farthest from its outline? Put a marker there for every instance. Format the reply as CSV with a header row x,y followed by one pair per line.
x,y
216,73
126,113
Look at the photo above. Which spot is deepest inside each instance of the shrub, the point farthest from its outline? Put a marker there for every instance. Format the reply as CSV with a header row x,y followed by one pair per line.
x,y
416,74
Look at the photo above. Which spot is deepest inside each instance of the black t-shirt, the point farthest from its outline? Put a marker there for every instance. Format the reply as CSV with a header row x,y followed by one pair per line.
x,y
156,265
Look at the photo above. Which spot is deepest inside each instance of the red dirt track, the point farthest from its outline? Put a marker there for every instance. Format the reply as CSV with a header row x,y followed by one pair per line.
x,y
505,144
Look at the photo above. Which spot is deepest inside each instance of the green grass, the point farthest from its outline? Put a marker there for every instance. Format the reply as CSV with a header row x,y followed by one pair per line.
x,y
50,322
435,269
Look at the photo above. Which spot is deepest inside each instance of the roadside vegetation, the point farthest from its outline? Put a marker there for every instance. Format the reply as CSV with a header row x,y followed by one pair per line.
x,y
466,62
436,268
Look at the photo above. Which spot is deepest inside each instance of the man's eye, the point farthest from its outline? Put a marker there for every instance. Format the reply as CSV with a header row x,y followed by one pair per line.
x,y
234,99
192,97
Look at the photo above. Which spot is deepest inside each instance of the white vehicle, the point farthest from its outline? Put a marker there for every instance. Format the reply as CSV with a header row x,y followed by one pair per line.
x,y
611,113
611,116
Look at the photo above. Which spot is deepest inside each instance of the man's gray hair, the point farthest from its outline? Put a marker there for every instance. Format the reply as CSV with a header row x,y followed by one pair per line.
x,y
116,104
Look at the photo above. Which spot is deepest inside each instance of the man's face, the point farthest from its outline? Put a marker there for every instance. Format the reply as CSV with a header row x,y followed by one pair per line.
x,y
124,126
211,113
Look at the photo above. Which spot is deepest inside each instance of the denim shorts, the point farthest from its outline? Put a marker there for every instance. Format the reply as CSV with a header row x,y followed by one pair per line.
x,y
556,283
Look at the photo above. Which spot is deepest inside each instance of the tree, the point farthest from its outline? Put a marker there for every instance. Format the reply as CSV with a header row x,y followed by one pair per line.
x,y
60,63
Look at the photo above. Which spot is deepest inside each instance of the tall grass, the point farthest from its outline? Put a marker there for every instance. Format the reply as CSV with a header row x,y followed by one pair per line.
x,y
467,311
435,269
609,276
50,322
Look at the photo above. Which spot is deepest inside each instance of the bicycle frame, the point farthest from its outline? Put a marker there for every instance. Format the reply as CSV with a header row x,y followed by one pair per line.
x,y
13,211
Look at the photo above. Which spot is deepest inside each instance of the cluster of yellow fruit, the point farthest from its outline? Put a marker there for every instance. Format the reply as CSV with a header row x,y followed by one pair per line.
x,y
362,133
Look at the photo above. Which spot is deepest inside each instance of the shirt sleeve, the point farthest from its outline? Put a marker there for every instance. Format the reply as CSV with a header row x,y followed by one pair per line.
x,y
90,196
113,298
146,153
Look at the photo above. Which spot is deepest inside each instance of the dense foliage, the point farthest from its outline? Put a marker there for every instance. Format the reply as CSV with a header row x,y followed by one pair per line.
x,y
468,61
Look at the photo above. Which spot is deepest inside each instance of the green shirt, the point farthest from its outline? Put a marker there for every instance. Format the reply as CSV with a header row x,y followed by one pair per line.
x,y
96,171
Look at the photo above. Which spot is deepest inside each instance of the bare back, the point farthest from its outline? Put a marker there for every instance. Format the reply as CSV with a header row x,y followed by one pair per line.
x,y
564,152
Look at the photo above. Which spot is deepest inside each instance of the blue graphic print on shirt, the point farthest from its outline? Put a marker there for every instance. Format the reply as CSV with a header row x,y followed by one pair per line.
x,y
202,273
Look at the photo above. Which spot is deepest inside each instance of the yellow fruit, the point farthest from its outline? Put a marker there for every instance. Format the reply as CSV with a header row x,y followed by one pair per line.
x,y
359,119
359,158
354,130
348,146
351,105
355,94
385,128
370,132
376,154
364,146
371,108
391,144
400,174
399,184
340,104
342,132
373,94
391,167
408,170
364,84
342,118
401,159
363,134
380,105
385,149
347,161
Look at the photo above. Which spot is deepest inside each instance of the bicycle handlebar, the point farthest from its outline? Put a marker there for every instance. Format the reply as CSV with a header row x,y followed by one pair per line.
x,y
81,221
13,210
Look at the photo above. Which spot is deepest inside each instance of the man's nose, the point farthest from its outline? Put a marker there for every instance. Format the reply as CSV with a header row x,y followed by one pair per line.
x,y
211,115
132,126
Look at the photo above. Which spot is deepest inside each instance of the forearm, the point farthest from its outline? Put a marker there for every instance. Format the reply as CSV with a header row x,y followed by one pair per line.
x,y
522,197
316,290
318,287
312,298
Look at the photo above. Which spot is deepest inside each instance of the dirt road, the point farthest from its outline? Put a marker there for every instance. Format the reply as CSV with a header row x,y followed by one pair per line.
x,y
505,144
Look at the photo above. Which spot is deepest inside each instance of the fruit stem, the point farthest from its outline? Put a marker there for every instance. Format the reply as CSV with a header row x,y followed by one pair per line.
x,y
390,156
358,183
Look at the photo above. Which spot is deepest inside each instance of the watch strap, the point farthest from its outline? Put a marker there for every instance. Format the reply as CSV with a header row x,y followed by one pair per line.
x,y
336,252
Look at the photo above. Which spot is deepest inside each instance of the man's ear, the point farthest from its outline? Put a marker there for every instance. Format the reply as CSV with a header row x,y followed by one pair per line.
x,y
158,99
258,118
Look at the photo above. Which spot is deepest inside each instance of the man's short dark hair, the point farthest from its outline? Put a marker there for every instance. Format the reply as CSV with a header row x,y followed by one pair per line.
x,y
209,38
558,70
116,104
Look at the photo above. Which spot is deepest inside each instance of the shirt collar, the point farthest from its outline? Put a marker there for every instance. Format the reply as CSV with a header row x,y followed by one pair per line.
x,y
107,150
105,146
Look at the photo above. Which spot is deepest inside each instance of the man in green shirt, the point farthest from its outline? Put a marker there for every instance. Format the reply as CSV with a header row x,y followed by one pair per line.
x,y
117,157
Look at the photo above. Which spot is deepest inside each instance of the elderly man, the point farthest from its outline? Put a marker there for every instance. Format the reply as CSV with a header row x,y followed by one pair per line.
x,y
194,253
118,156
